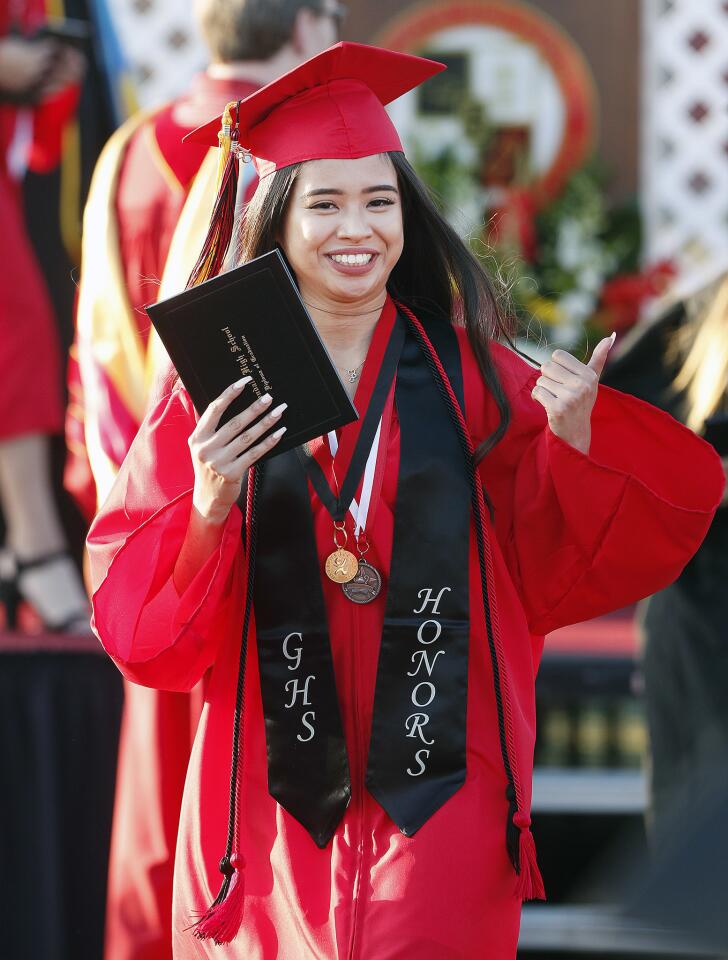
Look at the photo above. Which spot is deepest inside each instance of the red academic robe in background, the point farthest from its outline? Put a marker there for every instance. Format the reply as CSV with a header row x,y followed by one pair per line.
x,y
157,171
574,537
31,395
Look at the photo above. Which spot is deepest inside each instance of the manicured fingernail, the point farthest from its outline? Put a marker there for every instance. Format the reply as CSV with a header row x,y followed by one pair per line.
x,y
266,398
239,384
278,410
614,336
279,432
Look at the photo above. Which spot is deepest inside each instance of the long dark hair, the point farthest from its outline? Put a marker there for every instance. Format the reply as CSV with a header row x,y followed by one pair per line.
x,y
435,275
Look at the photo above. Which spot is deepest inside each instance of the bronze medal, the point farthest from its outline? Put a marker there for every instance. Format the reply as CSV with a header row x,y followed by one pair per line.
x,y
365,586
341,566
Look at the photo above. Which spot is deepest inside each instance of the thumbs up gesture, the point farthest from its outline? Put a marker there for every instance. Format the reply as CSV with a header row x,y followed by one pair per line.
x,y
567,389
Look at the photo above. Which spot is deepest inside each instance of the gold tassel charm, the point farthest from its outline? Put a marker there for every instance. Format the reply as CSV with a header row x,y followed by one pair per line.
x,y
225,139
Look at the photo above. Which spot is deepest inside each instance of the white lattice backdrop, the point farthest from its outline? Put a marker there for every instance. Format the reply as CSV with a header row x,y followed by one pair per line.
x,y
685,132
162,45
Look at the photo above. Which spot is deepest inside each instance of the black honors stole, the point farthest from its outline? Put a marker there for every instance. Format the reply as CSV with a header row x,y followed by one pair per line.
x,y
417,748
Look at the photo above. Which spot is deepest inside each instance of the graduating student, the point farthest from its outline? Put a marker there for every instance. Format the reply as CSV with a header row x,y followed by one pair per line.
x,y
148,207
375,802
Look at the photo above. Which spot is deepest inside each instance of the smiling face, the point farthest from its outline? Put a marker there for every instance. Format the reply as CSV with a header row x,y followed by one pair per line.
x,y
343,230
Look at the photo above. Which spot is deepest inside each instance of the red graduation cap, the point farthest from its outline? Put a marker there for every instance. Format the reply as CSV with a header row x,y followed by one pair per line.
x,y
331,106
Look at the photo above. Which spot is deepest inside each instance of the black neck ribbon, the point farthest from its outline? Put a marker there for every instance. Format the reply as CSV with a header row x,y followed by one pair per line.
x,y
337,506
417,748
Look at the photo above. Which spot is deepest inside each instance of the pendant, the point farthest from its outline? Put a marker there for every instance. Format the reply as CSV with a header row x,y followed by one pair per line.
x,y
341,566
365,586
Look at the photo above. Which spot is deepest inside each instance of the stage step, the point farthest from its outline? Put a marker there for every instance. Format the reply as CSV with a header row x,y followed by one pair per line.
x,y
560,790
597,931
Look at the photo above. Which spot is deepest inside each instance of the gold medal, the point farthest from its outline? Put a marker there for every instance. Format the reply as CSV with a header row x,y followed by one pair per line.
x,y
341,566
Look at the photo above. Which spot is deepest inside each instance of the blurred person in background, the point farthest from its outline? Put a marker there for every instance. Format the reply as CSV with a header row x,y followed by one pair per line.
x,y
143,227
680,362
39,84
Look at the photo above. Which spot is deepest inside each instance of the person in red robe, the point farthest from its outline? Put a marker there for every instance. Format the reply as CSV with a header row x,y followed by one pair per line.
x,y
376,803
39,85
140,204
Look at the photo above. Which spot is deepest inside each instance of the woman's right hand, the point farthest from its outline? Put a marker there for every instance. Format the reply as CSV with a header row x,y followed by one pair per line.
x,y
222,456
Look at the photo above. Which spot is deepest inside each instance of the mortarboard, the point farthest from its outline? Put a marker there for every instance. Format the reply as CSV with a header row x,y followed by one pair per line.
x,y
330,107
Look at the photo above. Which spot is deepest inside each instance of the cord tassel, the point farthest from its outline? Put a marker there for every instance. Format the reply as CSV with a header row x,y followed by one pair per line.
x,y
530,882
222,921
529,885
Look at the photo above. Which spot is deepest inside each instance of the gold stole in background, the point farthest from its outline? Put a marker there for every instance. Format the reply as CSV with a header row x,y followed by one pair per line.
x,y
107,330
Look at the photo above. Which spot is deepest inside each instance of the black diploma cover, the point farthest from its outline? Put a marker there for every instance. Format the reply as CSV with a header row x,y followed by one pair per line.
x,y
252,322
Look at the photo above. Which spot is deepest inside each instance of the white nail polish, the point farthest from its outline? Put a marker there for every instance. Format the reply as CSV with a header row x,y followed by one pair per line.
x,y
266,398
239,384
278,410
279,432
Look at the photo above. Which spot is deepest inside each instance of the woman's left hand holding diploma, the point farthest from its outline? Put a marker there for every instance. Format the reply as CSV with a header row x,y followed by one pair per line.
x,y
222,455
567,390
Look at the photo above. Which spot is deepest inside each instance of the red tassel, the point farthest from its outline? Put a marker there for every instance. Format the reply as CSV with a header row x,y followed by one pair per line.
x,y
224,918
530,883
220,231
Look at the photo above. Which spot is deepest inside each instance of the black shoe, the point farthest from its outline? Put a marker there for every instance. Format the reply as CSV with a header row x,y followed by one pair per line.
x,y
10,599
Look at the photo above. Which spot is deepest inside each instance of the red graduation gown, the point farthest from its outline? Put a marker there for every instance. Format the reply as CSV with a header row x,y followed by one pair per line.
x,y
575,536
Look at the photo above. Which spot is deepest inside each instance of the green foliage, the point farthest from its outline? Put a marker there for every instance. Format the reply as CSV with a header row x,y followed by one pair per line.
x,y
576,243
